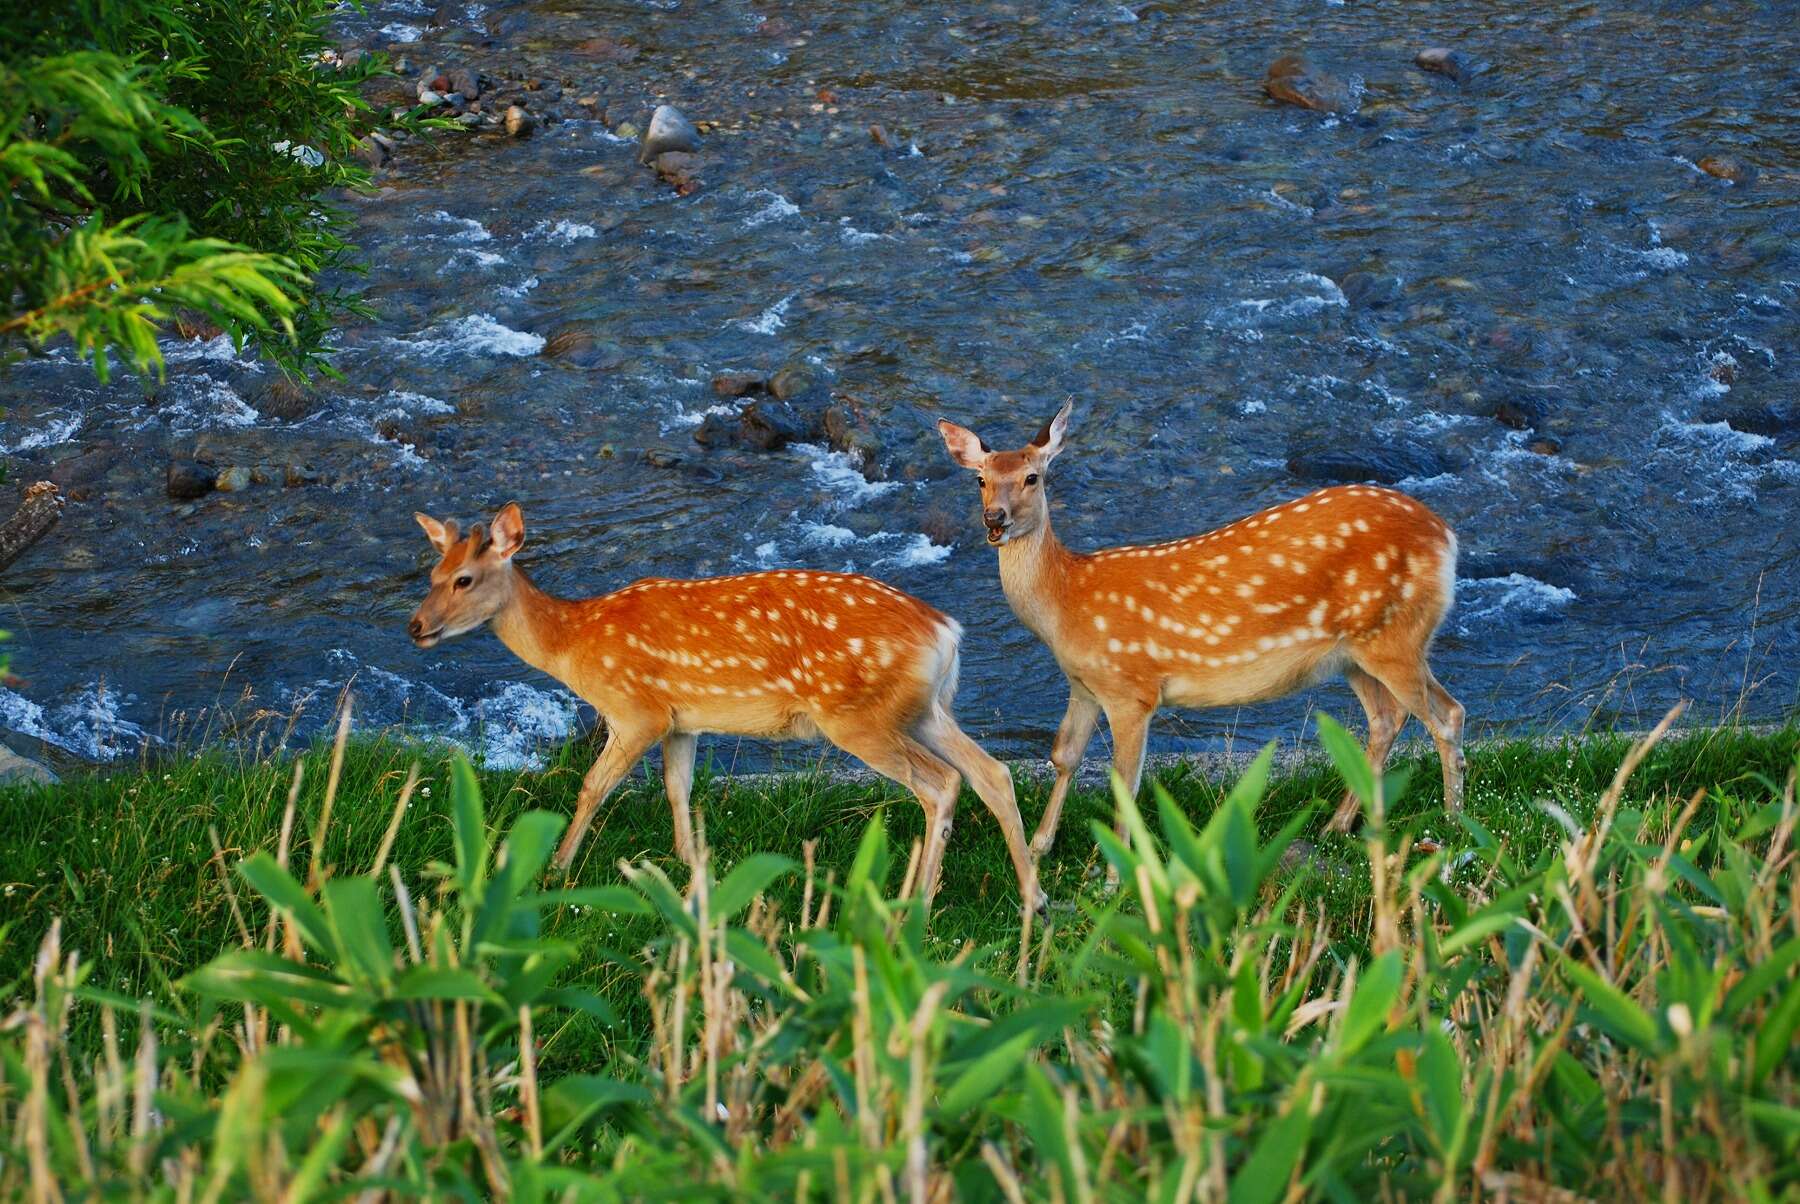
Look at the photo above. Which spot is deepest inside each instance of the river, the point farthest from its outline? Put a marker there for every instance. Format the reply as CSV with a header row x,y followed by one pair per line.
x,y
1516,297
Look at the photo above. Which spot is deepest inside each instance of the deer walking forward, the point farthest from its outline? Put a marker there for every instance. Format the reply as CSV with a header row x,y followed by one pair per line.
x,y
1352,579
785,654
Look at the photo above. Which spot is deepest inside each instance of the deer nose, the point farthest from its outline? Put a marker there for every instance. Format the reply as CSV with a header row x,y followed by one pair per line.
x,y
995,516
415,628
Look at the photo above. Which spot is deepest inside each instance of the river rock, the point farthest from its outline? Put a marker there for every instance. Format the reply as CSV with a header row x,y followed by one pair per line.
x,y
519,123
848,430
790,382
680,170
78,474
286,400
1721,167
15,769
234,479
1775,419
669,130
1442,60
1295,80
1518,413
769,425
188,480
465,81
738,384
1371,290
1387,465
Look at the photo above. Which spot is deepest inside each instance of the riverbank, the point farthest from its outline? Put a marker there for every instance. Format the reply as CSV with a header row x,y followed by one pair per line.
x,y
1587,985
127,859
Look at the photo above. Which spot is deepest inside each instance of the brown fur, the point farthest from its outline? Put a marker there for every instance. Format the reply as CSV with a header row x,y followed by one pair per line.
x,y
785,654
1352,579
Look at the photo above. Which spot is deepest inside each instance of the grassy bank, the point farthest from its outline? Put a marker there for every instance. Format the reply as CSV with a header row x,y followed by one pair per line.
x,y
1578,986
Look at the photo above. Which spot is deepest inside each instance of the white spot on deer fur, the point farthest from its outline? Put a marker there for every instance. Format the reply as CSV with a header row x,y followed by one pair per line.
x,y
1099,622
1277,559
855,645
1361,525
1244,591
1317,615
1350,577
1302,507
608,661
1408,590
1114,645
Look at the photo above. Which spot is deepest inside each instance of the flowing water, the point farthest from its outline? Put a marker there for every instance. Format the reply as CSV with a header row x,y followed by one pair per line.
x,y
1519,298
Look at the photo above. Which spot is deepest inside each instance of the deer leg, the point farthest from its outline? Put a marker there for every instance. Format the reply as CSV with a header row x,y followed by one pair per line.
x,y
1450,715
1386,716
678,780
918,769
993,784
1072,738
1406,675
624,748
1129,722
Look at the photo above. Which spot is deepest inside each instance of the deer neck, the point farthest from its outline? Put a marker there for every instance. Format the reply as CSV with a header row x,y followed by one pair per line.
x,y
533,625
1033,572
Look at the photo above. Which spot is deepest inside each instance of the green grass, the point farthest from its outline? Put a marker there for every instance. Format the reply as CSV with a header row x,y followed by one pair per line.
x,y
1587,986
126,859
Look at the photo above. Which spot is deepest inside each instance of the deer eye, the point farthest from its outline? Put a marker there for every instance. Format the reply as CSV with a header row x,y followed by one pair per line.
x,y
464,581
981,481
1031,478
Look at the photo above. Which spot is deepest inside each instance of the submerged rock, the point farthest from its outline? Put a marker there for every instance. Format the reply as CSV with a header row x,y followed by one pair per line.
x,y
1441,60
669,130
1722,167
1385,465
771,425
187,480
1294,79
738,384
519,122
680,170
790,382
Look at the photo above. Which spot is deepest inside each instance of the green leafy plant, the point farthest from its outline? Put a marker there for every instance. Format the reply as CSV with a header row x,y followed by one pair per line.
x,y
1611,1015
160,158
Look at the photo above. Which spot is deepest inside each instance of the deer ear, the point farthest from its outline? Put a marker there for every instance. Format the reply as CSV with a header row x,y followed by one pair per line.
x,y
441,535
966,447
1049,441
508,531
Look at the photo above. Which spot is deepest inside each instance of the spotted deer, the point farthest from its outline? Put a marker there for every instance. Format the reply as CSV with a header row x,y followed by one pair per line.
x,y
1352,579
775,654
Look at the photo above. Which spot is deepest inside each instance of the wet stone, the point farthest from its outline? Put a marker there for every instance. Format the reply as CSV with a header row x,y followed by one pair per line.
x,y
519,123
1518,413
1441,60
1294,79
234,479
790,382
669,130
187,480
1385,465
464,81
286,400
1722,167
771,425
738,384
1371,290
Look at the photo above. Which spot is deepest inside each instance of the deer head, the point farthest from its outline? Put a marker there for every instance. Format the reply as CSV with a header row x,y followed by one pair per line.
x,y
1013,504
473,579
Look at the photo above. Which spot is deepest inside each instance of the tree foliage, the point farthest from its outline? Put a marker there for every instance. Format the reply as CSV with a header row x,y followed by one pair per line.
x,y
161,156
